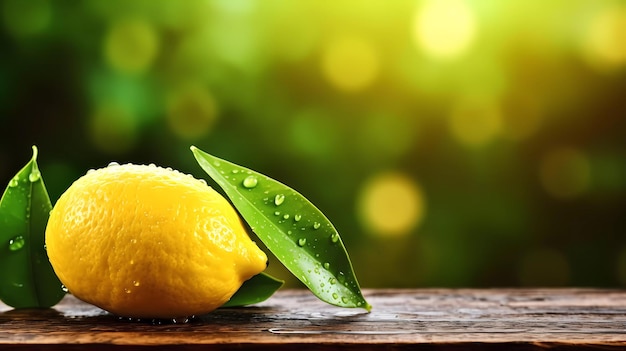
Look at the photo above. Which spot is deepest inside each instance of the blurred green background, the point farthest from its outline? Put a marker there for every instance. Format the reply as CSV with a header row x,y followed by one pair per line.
x,y
452,143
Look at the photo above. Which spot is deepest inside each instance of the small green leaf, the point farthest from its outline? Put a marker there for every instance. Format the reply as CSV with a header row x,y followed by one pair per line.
x,y
254,290
300,236
26,276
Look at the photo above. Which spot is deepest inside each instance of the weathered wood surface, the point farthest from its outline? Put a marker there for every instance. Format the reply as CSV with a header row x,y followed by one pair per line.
x,y
422,319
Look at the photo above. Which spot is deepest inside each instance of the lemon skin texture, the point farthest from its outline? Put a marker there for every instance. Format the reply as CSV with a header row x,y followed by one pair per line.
x,y
149,242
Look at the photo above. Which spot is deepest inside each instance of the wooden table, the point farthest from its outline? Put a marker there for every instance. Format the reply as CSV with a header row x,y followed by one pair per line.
x,y
422,319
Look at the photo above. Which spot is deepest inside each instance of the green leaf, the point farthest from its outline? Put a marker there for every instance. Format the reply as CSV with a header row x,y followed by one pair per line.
x,y
26,276
298,234
254,290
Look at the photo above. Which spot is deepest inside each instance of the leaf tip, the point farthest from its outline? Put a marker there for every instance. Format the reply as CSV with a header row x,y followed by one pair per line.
x,y
195,151
35,152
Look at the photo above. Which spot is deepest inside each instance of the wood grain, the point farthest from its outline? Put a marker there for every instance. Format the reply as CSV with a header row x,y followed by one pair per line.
x,y
422,319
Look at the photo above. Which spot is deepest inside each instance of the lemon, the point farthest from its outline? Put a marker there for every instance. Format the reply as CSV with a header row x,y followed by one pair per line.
x,y
149,242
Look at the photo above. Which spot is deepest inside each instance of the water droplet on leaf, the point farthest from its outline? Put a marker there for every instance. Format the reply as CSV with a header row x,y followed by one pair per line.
x,y
297,217
113,164
250,182
344,299
34,175
301,242
341,277
279,199
326,265
335,296
14,182
316,225
286,216
16,243
334,237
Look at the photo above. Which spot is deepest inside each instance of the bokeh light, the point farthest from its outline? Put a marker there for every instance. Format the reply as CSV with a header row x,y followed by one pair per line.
x,y
604,43
131,45
350,63
191,111
521,116
112,129
391,204
26,18
609,173
475,121
445,28
565,172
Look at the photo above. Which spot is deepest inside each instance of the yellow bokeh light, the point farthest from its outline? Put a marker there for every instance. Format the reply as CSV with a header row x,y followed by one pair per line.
x,y
131,45
391,204
350,63
191,111
474,122
445,28
604,43
565,172
113,130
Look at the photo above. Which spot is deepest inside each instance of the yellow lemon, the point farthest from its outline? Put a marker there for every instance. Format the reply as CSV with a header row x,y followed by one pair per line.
x,y
149,242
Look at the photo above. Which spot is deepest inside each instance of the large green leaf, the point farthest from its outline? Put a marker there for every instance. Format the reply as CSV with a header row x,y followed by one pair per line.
x,y
300,236
254,290
26,276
